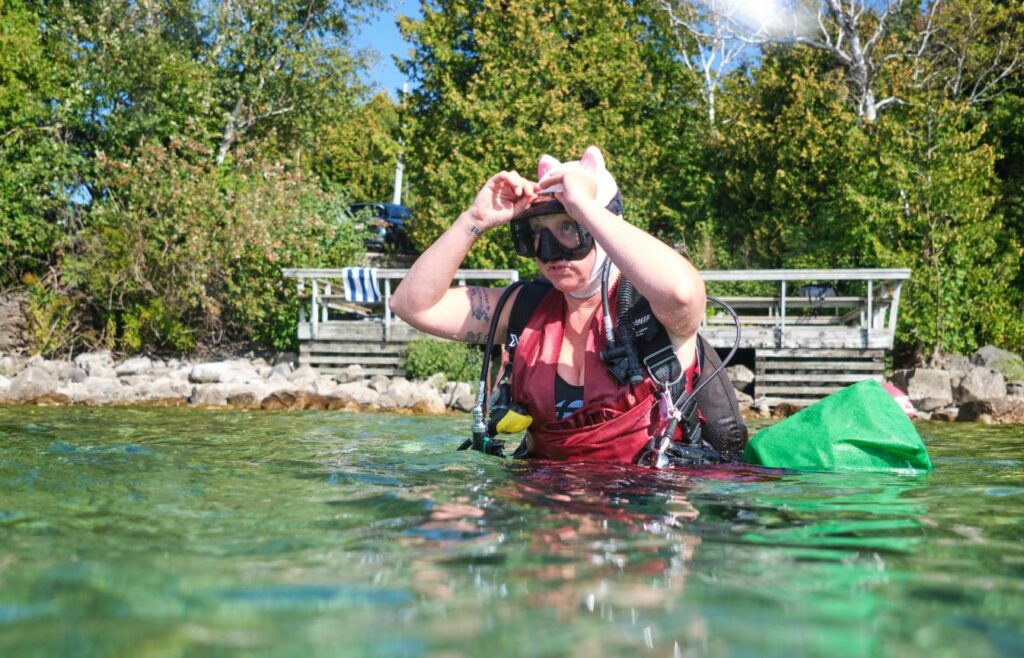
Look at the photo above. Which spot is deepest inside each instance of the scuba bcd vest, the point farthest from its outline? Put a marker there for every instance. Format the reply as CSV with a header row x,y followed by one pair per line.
x,y
642,345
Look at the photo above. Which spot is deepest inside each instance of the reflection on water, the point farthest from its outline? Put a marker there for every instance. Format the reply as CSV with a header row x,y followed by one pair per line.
x,y
183,532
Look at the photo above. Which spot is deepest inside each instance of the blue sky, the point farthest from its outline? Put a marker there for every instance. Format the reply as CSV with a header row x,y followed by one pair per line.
x,y
382,36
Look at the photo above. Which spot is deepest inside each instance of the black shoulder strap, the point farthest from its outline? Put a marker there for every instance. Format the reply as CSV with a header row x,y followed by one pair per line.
x,y
655,348
523,307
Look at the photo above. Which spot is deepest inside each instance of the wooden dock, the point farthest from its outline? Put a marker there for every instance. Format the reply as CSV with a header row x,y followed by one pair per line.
x,y
335,333
816,331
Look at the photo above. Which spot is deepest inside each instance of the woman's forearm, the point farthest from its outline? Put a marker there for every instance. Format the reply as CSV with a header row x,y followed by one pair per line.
x,y
433,272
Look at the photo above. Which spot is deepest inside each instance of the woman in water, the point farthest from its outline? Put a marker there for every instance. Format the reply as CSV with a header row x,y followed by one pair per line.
x,y
571,222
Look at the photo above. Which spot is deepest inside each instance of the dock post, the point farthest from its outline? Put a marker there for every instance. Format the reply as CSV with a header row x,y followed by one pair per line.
x,y
387,310
871,312
314,314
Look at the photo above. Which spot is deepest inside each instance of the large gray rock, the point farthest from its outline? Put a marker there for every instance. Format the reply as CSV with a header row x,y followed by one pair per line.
x,y
402,394
281,370
927,388
5,385
325,385
1010,365
428,401
459,396
223,372
380,383
96,364
33,382
438,381
303,372
742,377
976,411
38,362
981,383
165,388
957,365
209,395
358,393
139,365
286,357
304,378
71,373
11,365
95,391
352,373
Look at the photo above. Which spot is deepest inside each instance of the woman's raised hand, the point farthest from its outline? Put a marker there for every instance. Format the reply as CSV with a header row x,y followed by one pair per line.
x,y
575,189
501,198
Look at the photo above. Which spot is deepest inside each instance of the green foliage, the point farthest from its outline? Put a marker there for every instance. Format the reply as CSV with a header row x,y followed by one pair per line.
x,y
787,194
157,160
163,161
37,160
188,253
500,83
946,228
458,361
53,316
359,151
804,183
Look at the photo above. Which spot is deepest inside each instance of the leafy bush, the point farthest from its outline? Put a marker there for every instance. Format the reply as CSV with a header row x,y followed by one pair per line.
x,y
458,361
53,327
179,253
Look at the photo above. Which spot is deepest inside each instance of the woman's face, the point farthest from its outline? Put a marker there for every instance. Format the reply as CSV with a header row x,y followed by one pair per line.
x,y
564,275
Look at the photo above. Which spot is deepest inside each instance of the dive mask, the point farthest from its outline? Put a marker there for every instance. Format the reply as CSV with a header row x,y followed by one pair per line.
x,y
545,231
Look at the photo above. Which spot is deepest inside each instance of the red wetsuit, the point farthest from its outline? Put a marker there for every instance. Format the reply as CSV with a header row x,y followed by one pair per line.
x,y
616,420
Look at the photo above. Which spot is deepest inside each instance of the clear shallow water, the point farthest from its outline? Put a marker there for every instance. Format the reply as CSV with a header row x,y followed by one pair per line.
x,y
177,532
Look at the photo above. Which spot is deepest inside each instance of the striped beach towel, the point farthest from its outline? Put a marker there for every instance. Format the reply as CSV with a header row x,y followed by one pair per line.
x,y
361,284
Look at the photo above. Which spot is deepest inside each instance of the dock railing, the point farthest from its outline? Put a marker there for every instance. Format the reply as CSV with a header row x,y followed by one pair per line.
x,y
808,310
335,333
811,330
325,293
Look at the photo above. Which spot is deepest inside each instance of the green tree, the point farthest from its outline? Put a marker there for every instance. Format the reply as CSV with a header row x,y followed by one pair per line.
x,y
359,151
499,83
222,74
785,195
937,179
181,253
35,180
158,162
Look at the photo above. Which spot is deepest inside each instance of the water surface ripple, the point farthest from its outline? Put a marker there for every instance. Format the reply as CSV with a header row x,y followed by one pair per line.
x,y
179,532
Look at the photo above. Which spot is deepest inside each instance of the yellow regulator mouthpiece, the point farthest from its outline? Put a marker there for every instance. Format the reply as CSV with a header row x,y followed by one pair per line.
x,y
513,421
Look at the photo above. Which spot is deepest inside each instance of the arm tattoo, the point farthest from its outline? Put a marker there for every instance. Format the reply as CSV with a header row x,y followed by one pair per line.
x,y
474,337
479,304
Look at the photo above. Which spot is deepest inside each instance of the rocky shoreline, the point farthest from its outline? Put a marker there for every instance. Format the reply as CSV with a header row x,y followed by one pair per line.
x,y
96,379
987,387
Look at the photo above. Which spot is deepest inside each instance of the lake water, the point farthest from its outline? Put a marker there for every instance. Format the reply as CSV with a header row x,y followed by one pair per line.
x,y
178,532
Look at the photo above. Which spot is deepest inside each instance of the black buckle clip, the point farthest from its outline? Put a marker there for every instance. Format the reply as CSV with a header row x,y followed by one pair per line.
x,y
662,358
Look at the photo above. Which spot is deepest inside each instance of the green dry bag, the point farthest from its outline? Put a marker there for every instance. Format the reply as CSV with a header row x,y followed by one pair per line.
x,y
860,428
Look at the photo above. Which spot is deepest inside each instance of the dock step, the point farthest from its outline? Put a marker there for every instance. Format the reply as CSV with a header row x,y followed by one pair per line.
x,y
802,377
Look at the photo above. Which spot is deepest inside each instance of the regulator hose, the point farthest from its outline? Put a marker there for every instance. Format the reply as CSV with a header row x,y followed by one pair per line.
x,y
480,441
